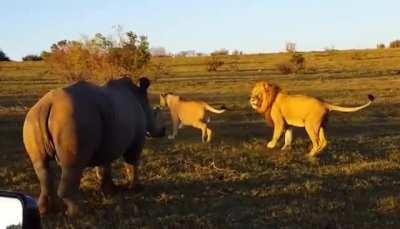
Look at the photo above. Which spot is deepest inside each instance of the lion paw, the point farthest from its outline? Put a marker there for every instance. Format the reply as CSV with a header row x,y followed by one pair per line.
x,y
271,144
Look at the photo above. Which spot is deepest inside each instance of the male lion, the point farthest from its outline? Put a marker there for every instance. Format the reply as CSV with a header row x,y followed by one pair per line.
x,y
282,110
188,113
87,125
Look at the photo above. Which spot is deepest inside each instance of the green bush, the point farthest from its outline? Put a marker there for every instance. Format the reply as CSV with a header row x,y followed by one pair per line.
x,y
32,58
3,56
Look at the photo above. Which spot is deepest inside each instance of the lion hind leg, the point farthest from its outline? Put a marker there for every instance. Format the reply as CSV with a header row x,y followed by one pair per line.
x,y
313,134
288,139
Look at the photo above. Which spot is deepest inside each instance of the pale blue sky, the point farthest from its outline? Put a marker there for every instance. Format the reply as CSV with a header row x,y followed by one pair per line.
x,y
30,26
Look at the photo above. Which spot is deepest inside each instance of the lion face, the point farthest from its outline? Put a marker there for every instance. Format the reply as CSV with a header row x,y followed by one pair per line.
x,y
263,96
257,96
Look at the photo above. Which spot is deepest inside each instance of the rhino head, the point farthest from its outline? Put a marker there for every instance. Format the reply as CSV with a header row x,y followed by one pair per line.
x,y
154,125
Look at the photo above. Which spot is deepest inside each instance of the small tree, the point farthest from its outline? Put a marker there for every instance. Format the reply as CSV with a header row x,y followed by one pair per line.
x,y
380,46
3,56
290,47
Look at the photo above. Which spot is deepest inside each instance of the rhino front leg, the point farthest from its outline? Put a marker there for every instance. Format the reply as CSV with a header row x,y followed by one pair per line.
x,y
132,174
104,174
132,163
68,189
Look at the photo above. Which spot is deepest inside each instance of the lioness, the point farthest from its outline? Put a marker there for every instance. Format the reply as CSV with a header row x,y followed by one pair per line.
x,y
87,125
282,110
188,113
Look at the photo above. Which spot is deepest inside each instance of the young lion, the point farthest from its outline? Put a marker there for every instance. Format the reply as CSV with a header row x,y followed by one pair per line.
x,y
188,113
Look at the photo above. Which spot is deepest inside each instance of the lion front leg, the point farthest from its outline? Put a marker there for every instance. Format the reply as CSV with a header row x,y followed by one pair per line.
x,y
278,130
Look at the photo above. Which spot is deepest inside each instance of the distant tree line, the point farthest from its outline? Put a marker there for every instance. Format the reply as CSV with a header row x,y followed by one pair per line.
x,y
392,44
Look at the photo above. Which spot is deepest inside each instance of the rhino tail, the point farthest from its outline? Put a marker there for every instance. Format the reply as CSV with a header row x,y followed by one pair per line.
x,y
36,134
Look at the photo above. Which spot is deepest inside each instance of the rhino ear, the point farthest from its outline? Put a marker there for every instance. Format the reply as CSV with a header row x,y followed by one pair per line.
x,y
144,83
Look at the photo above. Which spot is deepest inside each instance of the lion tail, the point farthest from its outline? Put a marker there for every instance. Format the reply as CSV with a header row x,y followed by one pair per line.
x,y
210,108
350,109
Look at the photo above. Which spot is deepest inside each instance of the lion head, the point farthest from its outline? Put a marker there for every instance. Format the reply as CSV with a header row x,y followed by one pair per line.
x,y
262,96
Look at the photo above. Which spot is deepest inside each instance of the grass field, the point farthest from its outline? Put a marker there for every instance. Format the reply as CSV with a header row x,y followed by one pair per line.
x,y
236,182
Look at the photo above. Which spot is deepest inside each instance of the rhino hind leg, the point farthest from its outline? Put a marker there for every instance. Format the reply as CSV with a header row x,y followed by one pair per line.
x,y
105,176
47,191
68,188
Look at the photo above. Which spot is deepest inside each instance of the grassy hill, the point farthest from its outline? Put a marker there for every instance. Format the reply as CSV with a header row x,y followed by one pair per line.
x,y
235,182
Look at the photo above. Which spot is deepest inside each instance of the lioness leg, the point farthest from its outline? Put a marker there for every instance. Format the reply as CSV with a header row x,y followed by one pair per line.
x,y
322,139
46,185
68,188
288,138
175,126
209,134
203,127
313,132
278,130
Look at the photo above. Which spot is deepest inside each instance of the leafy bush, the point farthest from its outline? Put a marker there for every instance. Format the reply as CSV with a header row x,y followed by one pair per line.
x,y
285,68
3,56
99,58
395,44
32,58
214,63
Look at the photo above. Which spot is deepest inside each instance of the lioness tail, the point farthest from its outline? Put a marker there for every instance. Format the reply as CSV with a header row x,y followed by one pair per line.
x,y
350,109
210,108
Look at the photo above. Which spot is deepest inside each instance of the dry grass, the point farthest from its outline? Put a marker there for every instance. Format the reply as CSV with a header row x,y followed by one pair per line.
x,y
235,182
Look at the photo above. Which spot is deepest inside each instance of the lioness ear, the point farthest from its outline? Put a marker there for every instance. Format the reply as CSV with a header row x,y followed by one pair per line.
x,y
144,83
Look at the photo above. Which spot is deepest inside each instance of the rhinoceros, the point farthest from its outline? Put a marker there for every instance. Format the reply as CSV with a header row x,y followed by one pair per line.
x,y
85,125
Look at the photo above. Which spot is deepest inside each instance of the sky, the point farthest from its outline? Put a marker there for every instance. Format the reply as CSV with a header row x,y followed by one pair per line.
x,y
29,27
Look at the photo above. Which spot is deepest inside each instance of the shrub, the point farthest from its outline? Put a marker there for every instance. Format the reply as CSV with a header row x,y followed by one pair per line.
x,y
380,46
32,58
395,44
295,64
285,68
99,58
3,56
214,63
220,52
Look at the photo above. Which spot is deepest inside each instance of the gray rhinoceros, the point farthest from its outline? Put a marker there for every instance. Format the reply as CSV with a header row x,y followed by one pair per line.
x,y
87,125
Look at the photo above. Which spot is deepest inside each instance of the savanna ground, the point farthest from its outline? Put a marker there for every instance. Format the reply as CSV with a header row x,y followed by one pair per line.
x,y
236,182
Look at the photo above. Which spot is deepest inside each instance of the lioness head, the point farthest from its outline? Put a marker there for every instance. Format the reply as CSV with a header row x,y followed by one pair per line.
x,y
154,125
262,96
